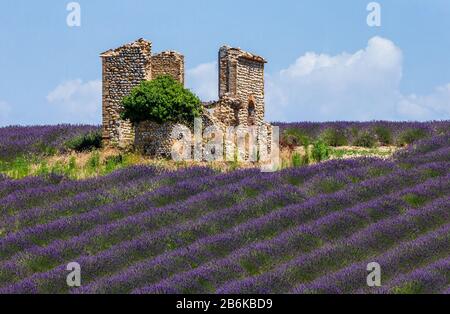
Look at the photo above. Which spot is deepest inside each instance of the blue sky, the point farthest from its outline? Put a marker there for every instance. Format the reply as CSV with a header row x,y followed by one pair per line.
x,y
325,62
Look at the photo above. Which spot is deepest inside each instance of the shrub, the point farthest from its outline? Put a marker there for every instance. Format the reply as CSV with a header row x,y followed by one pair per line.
x,y
45,149
93,163
320,151
32,141
384,135
85,142
43,169
20,167
297,160
411,135
354,131
411,287
161,100
112,163
334,137
72,163
414,200
294,137
305,157
114,159
365,139
328,185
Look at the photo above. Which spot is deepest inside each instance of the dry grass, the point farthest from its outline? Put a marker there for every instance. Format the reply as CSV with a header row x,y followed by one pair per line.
x,y
100,162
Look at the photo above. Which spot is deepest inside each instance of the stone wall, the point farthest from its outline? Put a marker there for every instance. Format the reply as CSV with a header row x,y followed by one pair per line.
x,y
168,62
122,69
227,110
154,139
241,97
250,82
241,78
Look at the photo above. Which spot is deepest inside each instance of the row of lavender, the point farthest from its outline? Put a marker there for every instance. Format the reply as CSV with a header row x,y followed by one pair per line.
x,y
309,229
312,250
353,133
17,141
33,140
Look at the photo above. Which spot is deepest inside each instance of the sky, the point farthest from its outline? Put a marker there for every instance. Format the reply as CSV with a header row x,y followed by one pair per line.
x,y
324,60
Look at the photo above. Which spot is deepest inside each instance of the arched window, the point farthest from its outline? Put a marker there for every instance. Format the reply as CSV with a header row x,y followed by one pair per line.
x,y
251,120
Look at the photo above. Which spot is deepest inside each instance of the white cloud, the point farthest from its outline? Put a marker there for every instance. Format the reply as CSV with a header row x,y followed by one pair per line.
x,y
203,80
5,111
77,102
359,86
364,85
433,106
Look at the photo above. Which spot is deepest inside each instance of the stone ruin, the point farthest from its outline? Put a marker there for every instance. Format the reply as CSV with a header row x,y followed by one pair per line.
x,y
240,103
124,68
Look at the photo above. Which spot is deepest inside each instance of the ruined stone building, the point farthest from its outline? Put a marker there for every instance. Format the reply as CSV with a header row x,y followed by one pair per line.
x,y
241,92
124,68
241,87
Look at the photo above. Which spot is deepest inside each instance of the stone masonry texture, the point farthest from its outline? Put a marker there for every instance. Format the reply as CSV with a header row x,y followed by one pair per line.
x,y
124,68
240,103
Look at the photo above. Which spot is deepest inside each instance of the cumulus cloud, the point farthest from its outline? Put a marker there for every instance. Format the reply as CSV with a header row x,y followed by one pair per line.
x,y
350,86
364,85
75,101
433,106
5,111
203,80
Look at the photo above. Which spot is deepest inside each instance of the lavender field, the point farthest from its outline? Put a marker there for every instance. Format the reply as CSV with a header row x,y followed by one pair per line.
x,y
350,132
310,229
17,141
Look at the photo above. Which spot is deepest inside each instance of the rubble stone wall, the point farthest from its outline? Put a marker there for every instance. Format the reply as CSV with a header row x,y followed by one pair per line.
x,y
241,77
241,97
168,62
154,139
124,68
250,82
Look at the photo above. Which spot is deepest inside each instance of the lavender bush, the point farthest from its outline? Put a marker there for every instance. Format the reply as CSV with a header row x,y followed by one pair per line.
x,y
18,141
309,229
340,133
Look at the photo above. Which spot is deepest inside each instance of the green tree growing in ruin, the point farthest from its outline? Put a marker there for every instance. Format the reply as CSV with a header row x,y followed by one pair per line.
x,y
161,100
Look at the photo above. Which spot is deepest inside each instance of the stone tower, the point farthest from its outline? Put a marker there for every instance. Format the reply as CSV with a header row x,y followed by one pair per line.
x,y
122,69
241,85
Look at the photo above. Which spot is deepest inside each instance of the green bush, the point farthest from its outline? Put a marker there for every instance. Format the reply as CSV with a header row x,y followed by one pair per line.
x,y
112,163
354,131
411,135
161,100
334,137
365,139
320,151
20,167
114,159
294,137
383,134
297,160
45,149
43,169
85,142
411,287
93,163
